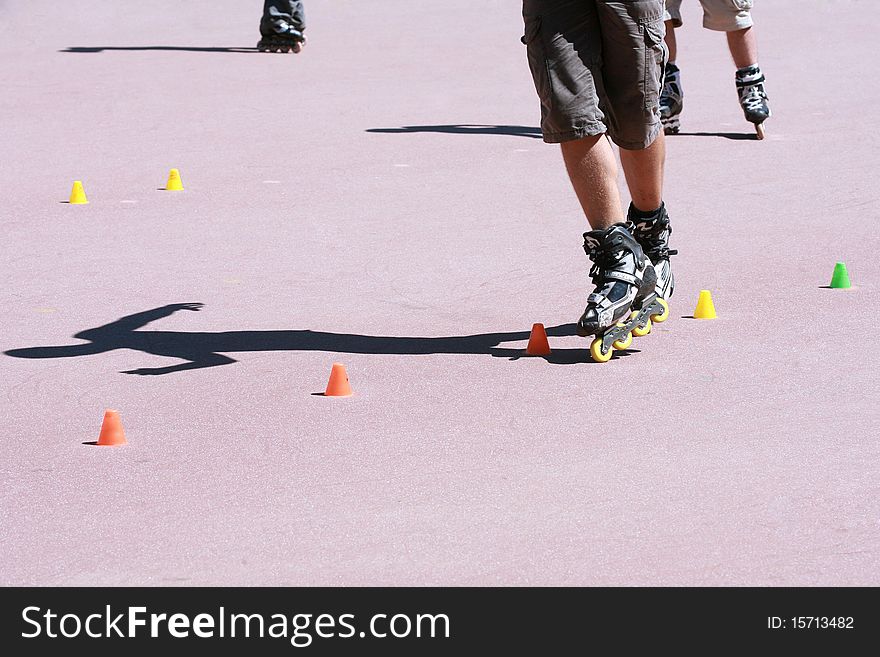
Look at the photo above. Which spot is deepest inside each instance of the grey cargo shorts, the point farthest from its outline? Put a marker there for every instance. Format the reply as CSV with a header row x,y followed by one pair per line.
x,y
598,68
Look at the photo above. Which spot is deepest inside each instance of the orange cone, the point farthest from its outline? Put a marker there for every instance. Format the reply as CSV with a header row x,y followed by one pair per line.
x,y
112,432
338,385
538,345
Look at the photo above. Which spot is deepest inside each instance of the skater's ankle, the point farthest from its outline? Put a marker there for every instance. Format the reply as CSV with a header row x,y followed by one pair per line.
x,y
645,214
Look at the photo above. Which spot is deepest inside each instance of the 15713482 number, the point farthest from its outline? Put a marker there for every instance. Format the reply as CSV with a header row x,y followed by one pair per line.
x,y
822,622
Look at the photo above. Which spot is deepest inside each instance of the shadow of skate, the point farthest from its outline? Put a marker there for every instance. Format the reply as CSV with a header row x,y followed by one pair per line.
x,y
465,129
201,350
559,356
94,49
582,356
741,136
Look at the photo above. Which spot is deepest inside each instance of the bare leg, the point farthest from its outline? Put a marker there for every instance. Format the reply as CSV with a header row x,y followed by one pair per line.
x,y
644,174
743,47
592,168
671,43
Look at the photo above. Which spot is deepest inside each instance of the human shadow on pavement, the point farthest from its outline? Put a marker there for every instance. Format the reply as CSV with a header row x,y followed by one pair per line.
x,y
200,350
743,136
466,129
93,49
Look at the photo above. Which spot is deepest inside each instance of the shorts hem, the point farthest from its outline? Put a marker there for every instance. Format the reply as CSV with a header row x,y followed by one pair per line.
x,y
640,145
739,23
674,17
573,135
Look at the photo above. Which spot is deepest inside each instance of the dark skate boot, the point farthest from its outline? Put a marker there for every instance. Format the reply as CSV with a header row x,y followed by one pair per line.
x,y
287,40
652,233
625,290
753,97
671,100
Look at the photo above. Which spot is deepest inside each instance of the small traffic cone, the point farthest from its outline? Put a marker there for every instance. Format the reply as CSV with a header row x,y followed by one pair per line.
x,y
538,345
78,194
338,385
174,184
111,430
840,277
705,308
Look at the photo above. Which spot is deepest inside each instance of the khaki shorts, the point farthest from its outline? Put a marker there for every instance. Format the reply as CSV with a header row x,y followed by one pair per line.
x,y
721,15
598,68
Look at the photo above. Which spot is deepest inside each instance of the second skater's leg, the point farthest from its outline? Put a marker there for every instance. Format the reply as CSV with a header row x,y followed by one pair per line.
x,y
749,78
752,95
672,94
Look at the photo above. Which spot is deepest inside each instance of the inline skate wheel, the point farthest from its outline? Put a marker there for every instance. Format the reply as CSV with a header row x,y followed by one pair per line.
x,y
662,317
759,128
596,352
640,331
623,343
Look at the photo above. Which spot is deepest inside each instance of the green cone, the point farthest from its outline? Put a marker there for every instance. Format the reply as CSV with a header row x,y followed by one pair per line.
x,y
840,278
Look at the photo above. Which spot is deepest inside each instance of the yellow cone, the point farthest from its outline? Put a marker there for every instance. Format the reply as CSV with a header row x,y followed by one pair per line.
x,y
705,308
174,184
78,194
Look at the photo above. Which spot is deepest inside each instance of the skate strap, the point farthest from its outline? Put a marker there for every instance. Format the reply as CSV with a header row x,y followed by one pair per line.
x,y
598,300
749,82
662,253
621,276
649,227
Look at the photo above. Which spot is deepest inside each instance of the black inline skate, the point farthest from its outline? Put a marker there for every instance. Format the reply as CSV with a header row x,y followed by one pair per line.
x,y
625,287
671,100
752,97
287,40
282,26
652,231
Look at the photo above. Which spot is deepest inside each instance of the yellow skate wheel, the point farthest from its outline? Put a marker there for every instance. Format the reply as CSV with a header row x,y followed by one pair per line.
x,y
623,343
662,317
759,128
639,331
596,351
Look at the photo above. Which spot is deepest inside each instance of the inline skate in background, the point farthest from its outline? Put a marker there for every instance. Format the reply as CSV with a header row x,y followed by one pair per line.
x,y
626,287
287,40
753,97
671,100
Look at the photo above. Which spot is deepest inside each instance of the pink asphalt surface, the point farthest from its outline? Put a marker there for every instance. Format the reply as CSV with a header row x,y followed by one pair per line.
x,y
325,219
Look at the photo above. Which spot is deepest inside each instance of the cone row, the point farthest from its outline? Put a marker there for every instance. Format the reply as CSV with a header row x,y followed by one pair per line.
x,y
338,385
78,194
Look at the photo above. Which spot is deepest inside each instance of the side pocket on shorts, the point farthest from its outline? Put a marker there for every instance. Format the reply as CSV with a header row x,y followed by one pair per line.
x,y
537,58
532,29
656,55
